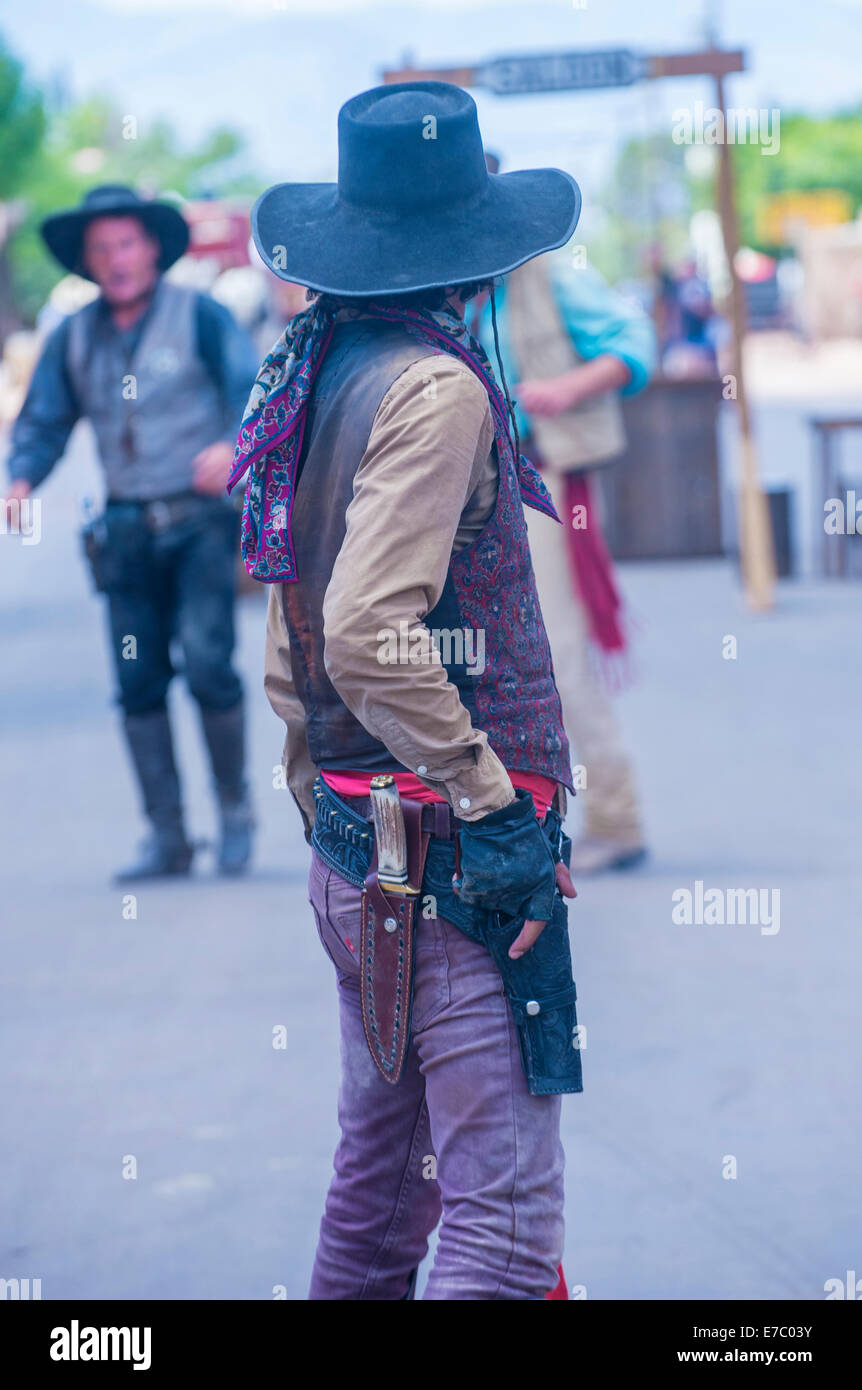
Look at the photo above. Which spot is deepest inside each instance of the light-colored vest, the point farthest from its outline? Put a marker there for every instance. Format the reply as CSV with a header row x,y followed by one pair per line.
x,y
151,412
588,434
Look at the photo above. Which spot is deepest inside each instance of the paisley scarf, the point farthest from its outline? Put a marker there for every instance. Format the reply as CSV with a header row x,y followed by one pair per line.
x,y
269,445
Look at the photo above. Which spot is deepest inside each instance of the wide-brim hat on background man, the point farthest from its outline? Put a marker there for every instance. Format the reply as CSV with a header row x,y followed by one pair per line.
x,y
63,232
414,206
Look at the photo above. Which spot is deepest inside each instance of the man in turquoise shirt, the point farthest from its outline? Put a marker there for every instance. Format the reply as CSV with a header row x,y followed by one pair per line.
x,y
570,347
600,322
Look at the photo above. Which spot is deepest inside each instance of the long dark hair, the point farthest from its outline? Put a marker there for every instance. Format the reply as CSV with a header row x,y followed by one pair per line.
x,y
418,299
431,299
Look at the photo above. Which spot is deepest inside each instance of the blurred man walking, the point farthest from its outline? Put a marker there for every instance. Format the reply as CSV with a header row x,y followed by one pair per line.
x,y
163,374
572,346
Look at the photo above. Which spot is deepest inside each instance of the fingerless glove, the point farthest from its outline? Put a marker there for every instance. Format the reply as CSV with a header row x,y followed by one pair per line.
x,y
506,862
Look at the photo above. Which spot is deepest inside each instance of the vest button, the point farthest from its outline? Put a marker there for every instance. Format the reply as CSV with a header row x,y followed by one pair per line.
x,y
464,802
390,924
533,1008
421,769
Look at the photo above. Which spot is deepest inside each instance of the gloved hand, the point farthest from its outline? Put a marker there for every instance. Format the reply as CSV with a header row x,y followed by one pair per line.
x,y
506,862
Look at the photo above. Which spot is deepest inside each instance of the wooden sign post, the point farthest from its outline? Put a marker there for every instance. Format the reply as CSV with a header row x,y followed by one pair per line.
x,y
590,71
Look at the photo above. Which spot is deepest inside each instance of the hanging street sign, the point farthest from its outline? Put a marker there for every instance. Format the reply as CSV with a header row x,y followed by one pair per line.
x,y
561,72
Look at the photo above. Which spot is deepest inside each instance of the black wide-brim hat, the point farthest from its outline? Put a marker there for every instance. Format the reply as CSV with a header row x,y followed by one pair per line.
x,y
414,207
63,233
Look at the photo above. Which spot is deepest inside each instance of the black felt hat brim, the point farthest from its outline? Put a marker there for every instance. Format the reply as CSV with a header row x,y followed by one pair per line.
x,y
63,233
306,233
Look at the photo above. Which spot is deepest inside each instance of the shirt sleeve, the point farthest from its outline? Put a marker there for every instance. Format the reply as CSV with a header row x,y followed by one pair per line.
x,y
48,415
230,358
430,437
600,320
281,693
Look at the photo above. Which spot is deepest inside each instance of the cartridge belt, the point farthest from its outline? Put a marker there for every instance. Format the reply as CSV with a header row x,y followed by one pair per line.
x,y
343,833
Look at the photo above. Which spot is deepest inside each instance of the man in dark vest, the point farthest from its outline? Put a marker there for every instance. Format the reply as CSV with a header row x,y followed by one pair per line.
x,y
162,373
406,654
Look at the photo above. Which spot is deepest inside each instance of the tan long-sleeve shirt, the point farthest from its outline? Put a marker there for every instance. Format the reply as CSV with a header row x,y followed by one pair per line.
x,y
426,485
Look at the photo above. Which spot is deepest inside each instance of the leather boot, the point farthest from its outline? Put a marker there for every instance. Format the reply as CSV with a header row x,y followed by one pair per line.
x,y
166,852
597,854
224,731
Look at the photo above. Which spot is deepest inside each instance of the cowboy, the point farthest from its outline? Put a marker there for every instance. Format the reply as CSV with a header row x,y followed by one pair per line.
x,y
385,487
162,373
573,346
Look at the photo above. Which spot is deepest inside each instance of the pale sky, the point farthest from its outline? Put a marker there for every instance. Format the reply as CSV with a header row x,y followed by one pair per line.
x,y
279,69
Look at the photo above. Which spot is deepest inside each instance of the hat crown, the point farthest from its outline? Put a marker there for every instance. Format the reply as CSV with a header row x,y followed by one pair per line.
x,y
108,195
414,206
410,145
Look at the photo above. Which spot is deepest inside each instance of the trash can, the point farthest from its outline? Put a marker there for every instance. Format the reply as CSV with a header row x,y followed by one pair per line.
x,y
780,516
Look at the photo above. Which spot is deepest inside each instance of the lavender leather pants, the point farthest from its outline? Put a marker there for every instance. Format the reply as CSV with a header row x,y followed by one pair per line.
x,y
459,1137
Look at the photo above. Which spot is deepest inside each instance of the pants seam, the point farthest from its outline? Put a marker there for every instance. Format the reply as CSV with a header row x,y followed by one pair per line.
x,y
400,1206
517,1173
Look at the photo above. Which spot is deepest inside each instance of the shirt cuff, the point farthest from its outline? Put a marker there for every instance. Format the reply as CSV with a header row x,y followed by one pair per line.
x,y
22,472
475,791
640,373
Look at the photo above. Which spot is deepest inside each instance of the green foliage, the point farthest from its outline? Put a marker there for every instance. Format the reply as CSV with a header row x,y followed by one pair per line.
x,y
652,195
50,164
646,201
22,125
815,152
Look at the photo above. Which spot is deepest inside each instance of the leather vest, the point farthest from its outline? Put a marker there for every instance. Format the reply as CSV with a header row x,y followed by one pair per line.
x,y
489,586
151,412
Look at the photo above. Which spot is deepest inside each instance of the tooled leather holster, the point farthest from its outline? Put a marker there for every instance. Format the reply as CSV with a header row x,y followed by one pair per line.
x,y
387,932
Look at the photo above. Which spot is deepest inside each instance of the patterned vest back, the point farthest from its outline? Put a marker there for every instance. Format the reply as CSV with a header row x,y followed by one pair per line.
x,y
489,603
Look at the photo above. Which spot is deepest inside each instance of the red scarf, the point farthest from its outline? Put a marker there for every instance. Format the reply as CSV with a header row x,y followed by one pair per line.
x,y
591,565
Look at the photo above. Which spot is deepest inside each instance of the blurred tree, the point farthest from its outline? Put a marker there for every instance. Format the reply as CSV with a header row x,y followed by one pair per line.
x,y
22,128
657,182
90,142
22,124
657,185
814,152
647,202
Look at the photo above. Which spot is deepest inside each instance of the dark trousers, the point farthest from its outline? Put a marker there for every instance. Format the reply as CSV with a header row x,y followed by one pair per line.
x,y
166,583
